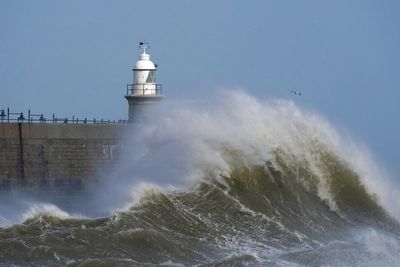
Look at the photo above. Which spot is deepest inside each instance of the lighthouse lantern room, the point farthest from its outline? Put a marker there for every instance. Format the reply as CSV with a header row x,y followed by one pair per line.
x,y
144,90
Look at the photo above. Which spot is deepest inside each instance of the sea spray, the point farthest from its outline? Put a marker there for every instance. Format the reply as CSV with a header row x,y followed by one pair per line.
x,y
183,143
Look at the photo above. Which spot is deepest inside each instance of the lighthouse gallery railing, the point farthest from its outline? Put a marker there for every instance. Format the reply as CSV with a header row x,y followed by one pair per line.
x,y
144,89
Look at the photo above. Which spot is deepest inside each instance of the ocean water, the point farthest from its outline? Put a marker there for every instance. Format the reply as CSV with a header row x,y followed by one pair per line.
x,y
232,182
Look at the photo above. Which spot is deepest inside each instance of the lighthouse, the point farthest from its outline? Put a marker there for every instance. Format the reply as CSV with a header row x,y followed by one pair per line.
x,y
144,91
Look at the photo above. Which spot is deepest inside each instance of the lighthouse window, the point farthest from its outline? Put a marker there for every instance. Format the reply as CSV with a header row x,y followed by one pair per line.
x,y
151,78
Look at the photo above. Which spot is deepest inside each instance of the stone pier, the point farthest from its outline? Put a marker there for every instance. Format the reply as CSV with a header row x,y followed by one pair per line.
x,y
57,155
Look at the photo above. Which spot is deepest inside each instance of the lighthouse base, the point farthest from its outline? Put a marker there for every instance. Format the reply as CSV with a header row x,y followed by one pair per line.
x,y
139,106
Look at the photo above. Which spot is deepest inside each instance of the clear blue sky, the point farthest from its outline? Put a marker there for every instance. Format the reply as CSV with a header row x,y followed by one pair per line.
x,y
75,57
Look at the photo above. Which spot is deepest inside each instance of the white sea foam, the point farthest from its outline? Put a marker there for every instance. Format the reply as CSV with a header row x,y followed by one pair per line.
x,y
44,209
18,209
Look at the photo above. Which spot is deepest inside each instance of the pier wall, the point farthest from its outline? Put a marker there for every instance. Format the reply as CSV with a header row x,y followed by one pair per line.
x,y
57,155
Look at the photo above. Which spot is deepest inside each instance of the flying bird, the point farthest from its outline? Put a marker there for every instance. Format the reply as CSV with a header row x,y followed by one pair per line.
x,y
296,92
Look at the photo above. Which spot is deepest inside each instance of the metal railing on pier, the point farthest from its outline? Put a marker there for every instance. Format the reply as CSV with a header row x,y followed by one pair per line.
x,y
6,116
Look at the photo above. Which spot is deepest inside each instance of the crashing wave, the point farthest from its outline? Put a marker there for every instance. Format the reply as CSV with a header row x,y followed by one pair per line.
x,y
235,182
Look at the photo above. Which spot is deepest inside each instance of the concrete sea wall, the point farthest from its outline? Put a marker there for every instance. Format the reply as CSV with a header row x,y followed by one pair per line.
x,y
57,155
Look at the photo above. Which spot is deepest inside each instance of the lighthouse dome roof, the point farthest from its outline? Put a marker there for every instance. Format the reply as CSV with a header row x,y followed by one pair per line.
x,y
144,63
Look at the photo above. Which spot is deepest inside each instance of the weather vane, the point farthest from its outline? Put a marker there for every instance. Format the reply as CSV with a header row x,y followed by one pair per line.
x,y
144,45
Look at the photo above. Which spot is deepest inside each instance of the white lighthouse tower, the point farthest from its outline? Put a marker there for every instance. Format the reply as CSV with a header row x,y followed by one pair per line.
x,y
144,90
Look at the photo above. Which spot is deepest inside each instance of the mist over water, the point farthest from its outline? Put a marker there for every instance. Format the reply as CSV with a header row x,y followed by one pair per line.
x,y
235,180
